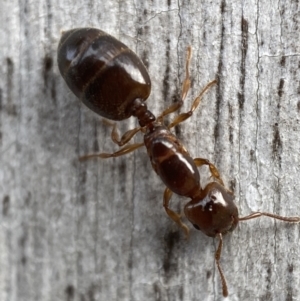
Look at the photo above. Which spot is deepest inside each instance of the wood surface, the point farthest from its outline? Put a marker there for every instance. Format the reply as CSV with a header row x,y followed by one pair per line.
x,y
97,230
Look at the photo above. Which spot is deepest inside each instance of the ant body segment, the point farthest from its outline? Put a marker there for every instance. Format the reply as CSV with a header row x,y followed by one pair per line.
x,y
113,82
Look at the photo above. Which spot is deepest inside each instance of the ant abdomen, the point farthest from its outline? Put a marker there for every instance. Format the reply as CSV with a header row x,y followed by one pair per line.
x,y
103,72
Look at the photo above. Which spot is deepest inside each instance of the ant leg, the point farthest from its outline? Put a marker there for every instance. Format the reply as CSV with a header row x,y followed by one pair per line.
x,y
115,138
184,116
187,82
213,170
115,134
293,219
173,215
185,88
217,259
125,150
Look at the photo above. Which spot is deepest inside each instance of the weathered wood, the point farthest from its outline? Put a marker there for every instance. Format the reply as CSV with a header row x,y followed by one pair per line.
x,y
97,230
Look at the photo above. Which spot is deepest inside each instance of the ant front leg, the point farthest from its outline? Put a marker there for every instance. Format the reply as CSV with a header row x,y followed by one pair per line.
x,y
173,215
213,170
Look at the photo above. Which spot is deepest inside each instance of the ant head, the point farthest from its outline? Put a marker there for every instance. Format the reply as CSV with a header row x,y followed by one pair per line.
x,y
213,211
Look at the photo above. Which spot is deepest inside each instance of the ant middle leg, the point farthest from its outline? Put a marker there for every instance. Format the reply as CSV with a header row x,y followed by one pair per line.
x,y
213,170
172,214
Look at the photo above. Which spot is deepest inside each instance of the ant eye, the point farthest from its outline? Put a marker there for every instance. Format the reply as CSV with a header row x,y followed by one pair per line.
x,y
196,226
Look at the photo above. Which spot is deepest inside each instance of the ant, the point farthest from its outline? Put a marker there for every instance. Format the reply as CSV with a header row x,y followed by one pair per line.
x,y
113,82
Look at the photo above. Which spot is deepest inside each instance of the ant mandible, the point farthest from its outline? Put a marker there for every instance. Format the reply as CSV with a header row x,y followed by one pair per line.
x,y
112,81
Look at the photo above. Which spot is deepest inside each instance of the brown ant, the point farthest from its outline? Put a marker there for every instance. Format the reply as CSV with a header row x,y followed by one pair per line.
x,y
113,82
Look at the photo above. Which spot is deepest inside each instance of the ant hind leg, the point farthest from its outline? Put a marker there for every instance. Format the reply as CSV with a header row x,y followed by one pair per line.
x,y
184,116
123,151
120,141
185,88
126,137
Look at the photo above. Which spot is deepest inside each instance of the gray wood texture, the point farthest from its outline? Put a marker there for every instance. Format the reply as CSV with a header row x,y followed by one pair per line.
x,y
97,230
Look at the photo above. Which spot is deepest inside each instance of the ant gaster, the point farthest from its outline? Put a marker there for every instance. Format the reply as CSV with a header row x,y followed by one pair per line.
x,y
113,82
